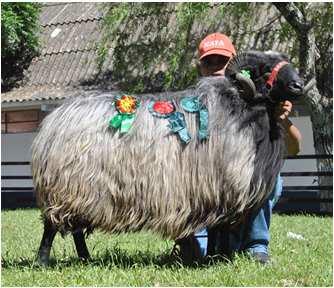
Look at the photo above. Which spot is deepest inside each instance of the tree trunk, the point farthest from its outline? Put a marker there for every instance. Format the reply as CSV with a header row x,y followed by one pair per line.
x,y
320,107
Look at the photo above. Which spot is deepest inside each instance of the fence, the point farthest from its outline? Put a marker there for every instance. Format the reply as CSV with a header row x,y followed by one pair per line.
x,y
316,199
20,195
309,199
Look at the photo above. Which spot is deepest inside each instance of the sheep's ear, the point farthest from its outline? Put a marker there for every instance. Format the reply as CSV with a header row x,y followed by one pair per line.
x,y
285,56
266,76
277,55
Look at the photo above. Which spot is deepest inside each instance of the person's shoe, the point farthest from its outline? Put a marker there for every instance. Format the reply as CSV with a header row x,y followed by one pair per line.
x,y
260,257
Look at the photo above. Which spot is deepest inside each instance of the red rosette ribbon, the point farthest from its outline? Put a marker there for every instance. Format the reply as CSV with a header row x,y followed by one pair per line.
x,y
163,107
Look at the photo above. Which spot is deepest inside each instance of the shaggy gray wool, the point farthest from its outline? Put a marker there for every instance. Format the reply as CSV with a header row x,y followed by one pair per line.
x,y
89,175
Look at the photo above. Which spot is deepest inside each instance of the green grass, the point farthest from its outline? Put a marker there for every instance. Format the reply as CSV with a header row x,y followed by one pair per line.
x,y
142,259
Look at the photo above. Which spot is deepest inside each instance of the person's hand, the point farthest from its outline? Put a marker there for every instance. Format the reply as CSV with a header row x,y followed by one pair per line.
x,y
293,136
284,109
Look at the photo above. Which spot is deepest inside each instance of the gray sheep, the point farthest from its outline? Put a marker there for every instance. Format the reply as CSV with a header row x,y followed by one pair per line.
x,y
90,176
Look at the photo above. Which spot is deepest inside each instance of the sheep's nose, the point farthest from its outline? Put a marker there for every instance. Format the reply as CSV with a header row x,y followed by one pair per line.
x,y
296,86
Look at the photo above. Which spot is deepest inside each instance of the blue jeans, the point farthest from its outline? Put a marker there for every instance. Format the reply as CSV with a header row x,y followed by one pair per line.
x,y
257,234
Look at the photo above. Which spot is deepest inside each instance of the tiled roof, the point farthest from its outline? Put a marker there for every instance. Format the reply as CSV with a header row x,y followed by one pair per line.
x,y
69,37
42,92
46,92
67,68
66,13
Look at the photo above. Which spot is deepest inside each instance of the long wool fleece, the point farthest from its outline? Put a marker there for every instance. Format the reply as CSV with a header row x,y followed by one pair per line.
x,y
88,175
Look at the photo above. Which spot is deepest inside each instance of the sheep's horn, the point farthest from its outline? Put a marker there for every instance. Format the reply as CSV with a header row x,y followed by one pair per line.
x,y
247,84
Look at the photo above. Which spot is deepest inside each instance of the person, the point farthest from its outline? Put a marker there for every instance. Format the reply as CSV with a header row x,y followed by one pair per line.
x,y
215,52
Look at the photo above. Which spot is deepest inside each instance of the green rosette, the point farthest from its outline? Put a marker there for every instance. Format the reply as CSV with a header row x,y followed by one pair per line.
x,y
123,120
193,104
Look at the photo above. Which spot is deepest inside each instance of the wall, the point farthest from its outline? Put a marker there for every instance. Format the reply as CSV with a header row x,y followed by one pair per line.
x,y
303,123
16,147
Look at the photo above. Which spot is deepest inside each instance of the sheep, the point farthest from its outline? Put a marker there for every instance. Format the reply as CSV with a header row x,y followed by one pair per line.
x,y
89,176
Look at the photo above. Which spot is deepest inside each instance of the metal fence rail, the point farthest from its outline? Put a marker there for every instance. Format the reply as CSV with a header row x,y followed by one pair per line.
x,y
17,196
316,199
311,199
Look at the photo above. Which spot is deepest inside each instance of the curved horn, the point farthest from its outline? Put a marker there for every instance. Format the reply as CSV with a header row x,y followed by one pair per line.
x,y
247,85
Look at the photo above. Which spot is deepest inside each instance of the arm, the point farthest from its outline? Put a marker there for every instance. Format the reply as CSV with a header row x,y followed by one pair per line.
x,y
293,135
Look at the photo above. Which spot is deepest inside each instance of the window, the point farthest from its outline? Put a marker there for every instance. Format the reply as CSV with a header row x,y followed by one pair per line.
x,y
20,121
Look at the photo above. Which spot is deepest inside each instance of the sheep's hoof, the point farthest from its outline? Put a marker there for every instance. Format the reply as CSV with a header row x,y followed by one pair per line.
x,y
188,251
42,262
85,259
42,259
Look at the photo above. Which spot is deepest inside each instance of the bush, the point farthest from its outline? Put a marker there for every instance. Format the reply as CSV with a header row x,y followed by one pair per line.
x,y
19,40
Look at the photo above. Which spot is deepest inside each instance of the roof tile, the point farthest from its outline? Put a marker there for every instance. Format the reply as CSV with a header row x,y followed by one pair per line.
x,y
64,13
71,37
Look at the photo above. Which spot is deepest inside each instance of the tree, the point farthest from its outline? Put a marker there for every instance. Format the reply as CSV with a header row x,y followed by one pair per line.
x,y
320,105
19,40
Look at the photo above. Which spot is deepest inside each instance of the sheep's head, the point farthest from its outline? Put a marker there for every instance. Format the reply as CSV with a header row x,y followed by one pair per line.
x,y
285,84
271,74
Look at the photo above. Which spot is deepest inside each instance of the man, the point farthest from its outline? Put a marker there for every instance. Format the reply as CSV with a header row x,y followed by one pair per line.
x,y
215,51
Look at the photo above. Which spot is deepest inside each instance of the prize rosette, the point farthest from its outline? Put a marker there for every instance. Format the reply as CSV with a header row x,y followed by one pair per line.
x,y
126,106
161,109
193,104
190,104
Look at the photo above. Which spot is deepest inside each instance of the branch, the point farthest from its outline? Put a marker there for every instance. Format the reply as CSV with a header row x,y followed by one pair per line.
x,y
270,22
310,85
293,16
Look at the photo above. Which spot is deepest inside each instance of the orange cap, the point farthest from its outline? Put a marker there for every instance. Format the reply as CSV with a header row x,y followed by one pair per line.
x,y
216,43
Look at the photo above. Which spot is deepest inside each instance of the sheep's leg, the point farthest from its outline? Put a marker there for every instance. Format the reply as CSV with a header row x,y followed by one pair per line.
x,y
218,243
46,243
212,241
80,245
222,246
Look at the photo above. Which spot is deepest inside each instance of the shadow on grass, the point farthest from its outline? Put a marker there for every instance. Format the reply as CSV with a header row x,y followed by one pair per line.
x,y
115,257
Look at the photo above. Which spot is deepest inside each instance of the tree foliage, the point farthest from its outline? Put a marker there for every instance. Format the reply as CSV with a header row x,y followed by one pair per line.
x,y
166,51
319,18
19,40
153,46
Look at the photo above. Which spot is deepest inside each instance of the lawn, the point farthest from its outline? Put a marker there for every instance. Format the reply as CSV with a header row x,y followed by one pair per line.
x,y
143,259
